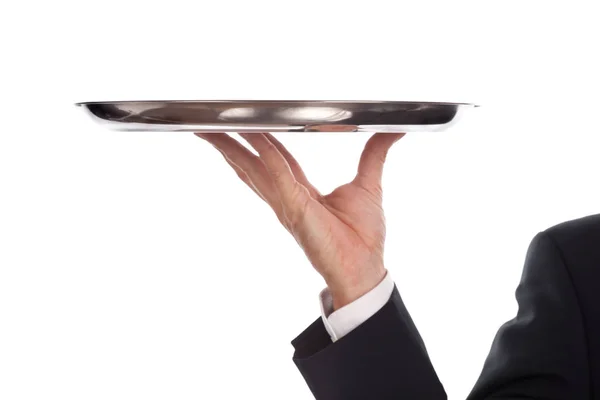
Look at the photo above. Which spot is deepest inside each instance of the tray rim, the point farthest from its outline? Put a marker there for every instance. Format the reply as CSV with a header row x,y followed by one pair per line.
x,y
441,103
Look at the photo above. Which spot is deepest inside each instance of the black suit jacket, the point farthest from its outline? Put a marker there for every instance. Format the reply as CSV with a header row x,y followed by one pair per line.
x,y
550,350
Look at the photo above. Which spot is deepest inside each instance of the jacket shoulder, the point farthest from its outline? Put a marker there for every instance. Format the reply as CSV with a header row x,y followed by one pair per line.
x,y
578,226
581,234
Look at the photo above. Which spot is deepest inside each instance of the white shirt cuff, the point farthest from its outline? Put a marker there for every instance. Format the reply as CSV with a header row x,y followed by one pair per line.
x,y
346,319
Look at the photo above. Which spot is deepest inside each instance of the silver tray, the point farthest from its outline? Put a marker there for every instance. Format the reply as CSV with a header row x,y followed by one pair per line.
x,y
274,116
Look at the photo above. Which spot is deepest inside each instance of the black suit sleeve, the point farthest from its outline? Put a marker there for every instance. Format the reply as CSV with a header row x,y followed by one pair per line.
x,y
540,354
383,358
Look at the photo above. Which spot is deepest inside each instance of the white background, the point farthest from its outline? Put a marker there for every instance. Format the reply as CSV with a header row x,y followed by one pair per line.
x,y
138,266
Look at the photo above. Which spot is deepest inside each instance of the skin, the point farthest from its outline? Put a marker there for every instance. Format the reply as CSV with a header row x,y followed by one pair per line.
x,y
342,233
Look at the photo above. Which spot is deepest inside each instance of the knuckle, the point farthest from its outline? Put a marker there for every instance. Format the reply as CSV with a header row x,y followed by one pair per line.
x,y
269,149
296,208
276,175
298,197
377,190
241,175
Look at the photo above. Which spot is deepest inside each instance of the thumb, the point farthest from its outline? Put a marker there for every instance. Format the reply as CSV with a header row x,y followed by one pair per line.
x,y
370,166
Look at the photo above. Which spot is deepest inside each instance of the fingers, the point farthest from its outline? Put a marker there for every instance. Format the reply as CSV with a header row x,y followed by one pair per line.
x,y
372,159
294,166
243,176
277,166
246,164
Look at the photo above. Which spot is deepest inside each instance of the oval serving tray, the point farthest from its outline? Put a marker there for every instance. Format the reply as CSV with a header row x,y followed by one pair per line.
x,y
274,115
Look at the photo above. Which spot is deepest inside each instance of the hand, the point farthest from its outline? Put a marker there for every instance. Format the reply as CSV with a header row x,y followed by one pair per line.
x,y
342,233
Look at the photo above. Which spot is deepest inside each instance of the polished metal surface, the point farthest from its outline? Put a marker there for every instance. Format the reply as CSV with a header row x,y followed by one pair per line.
x,y
275,116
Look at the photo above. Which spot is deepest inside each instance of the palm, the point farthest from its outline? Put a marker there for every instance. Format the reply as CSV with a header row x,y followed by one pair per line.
x,y
343,230
342,233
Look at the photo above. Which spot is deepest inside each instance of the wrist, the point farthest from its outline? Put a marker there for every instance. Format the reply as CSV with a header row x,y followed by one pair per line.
x,y
351,287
